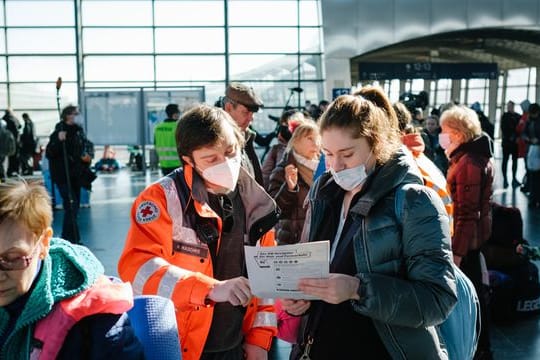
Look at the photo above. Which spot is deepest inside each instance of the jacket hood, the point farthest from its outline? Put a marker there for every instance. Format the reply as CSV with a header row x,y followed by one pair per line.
x,y
482,146
74,268
414,143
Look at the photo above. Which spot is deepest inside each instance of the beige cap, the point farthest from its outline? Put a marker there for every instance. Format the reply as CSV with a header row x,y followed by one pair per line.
x,y
244,95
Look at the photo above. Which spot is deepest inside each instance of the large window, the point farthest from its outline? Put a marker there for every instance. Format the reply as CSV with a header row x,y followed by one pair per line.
x,y
272,45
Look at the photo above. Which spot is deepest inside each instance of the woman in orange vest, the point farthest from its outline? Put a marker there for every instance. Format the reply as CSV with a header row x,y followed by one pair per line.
x,y
187,236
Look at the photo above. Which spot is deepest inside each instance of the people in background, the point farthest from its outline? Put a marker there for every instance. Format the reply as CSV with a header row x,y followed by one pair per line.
x,y
108,162
28,146
433,150
187,236
509,124
532,136
13,125
67,154
55,301
165,142
7,147
388,288
240,102
292,178
470,179
288,120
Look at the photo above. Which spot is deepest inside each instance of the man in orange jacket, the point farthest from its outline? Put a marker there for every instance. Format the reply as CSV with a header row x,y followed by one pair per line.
x,y
186,241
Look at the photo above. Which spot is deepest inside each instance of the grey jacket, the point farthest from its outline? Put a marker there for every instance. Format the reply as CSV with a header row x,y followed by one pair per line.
x,y
407,283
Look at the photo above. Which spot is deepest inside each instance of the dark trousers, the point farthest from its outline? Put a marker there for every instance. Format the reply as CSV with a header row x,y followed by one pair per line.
x,y
13,164
70,229
507,151
533,178
470,265
25,159
2,172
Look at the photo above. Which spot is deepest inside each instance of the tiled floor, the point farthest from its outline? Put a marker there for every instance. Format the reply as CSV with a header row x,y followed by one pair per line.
x,y
104,226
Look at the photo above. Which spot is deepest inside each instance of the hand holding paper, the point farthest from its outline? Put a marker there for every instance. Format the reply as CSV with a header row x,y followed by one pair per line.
x,y
274,272
336,289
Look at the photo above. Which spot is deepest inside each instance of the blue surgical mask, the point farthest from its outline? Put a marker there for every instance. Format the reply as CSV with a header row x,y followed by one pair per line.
x,y
349,179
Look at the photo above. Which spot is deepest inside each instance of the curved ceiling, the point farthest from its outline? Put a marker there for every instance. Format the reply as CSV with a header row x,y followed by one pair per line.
x,y
509,48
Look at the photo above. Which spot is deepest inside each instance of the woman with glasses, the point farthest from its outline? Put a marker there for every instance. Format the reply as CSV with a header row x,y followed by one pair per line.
x,y
291,179
391,277
55,301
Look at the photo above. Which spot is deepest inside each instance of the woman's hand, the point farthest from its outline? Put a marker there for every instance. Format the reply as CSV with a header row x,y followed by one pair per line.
x,y
336,289
295,307
291,176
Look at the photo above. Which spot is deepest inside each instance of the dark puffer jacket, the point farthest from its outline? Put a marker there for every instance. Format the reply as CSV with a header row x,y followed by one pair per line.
x,y
291,203
407,284
470,180
75,149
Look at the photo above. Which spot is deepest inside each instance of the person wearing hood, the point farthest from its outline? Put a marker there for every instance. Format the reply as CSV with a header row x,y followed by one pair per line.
x,y
55,302
68,176
470,179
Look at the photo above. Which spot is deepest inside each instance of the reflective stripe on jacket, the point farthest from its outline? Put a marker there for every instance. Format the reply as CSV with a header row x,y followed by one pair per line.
x,y
165,143
165,255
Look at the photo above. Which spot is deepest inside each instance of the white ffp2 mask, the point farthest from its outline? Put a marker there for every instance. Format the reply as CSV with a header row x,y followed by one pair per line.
x,y
224,174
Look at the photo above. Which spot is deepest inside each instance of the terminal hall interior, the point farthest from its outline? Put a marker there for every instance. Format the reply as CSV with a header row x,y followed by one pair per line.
x,y
121,62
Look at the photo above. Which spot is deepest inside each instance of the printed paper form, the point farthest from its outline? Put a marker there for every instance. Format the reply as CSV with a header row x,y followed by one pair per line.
x,y
274,271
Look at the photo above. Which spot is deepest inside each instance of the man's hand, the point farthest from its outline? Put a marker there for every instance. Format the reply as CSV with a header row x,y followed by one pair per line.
x,y
336,289
236,291
254,352
295,307
62,135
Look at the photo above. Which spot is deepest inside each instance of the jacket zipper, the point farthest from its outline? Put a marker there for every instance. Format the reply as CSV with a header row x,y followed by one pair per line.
x,y
366,254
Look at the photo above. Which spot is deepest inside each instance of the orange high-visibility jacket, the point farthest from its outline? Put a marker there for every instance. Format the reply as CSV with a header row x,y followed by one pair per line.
x,y
164,254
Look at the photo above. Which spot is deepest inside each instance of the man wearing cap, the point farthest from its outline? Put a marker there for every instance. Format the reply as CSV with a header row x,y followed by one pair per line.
x,y
241,102
165,141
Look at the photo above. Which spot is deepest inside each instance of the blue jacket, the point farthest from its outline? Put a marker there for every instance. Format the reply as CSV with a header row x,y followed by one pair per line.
x,y
67,271
407,284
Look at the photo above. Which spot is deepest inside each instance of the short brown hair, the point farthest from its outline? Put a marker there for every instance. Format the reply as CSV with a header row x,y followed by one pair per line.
x,y
27,203
202,126
463,120
368,114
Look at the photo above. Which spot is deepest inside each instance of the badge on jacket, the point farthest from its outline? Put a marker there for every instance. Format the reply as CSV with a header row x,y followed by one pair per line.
x,y
147,211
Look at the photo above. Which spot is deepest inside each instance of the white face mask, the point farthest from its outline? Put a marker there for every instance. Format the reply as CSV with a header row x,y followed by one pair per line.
x,y
349,179
444,140
224,174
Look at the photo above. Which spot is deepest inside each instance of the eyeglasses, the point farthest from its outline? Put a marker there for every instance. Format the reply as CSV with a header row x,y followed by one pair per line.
x,y
19,263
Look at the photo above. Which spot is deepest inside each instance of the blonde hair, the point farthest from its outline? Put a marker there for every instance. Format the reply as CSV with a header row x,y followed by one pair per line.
x,y
27,203
306,128
463,120
368,114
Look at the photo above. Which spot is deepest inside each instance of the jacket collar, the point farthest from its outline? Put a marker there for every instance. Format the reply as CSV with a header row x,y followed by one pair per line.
x,y
482,145
384,179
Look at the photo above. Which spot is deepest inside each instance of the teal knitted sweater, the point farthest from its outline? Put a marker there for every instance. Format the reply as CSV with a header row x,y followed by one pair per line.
x,y
68,270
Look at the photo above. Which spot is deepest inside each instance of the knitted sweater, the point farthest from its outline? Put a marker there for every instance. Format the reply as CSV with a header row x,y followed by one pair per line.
x,y
68,270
